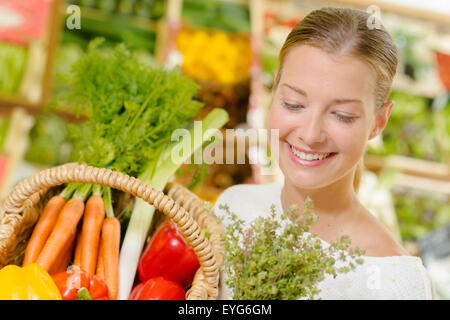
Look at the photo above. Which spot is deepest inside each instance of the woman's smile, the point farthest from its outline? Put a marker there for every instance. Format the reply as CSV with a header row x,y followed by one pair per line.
x,y
309,158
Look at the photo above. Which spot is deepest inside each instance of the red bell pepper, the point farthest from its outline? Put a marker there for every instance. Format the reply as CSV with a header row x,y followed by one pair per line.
x,y
70,283
158,288
168,255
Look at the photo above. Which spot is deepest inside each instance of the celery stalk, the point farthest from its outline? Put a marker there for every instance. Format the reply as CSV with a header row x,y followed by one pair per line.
x,y
158,177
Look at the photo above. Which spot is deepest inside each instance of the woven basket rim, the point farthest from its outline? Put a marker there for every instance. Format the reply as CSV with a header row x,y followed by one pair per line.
x,y
182,206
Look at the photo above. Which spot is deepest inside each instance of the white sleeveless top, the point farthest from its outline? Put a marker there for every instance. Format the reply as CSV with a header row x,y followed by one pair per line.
x,y
385,278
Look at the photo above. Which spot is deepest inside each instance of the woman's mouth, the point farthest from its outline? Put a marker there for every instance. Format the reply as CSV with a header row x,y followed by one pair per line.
x,y
309,159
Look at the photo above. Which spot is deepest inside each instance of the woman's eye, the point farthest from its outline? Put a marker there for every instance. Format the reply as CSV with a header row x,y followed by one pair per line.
x,y
292,106
344,118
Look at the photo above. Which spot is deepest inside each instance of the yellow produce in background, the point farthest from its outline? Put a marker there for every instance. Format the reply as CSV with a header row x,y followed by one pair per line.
x,y
215,56
31,282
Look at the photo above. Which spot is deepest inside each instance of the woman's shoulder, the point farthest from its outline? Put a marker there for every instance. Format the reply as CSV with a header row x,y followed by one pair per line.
x,y
376,239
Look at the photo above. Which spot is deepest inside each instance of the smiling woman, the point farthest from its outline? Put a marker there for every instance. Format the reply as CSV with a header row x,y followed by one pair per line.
x,y
328,100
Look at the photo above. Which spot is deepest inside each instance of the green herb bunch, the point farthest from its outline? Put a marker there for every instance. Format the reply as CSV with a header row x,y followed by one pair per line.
x,y
278,259
131,108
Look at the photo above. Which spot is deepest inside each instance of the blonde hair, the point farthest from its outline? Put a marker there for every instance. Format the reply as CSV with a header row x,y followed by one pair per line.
x,y
345,31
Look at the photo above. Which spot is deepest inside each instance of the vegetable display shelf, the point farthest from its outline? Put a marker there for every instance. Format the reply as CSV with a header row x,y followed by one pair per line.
x,y
134,22
20,212
34,85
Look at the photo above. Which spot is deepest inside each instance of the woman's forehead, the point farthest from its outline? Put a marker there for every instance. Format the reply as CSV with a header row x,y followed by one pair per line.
x,y
317,72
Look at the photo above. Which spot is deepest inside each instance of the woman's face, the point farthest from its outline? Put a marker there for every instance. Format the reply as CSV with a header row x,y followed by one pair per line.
x,y
324,110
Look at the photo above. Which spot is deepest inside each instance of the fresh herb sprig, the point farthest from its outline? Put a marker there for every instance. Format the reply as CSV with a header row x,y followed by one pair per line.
x,y
276,258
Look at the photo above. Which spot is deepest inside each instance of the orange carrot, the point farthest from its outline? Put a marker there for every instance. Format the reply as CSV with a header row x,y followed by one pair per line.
x,y
43,229
99,271
110,248
77,255
94,214
65,227
63,260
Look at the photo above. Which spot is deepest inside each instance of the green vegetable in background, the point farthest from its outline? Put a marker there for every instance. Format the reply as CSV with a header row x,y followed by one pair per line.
x,y
419,215
13,60
4,125
47,137
415,129
215,14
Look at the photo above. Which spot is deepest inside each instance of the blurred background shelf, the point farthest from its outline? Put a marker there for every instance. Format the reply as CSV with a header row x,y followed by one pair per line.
x,y
412,166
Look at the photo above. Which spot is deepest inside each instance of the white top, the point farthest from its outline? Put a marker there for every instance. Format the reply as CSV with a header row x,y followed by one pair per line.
x,y
385,278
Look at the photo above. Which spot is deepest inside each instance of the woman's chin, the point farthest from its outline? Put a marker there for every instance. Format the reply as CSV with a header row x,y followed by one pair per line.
x,y
306,183
313,178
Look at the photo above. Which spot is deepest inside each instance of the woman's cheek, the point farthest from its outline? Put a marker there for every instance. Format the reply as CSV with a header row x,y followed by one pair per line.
x,y
352,139
280,121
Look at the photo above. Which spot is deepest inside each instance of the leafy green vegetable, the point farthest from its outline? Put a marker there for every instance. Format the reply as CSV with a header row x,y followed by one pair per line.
x,y
132,109
276,258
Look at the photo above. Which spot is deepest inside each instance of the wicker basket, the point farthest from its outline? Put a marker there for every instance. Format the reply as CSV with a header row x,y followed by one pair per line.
x,y
20,212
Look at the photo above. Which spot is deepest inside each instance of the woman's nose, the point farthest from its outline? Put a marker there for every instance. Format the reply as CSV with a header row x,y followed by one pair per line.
x,y
312,132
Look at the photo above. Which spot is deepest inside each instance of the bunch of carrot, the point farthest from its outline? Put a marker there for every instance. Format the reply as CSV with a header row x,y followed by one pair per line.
x,y
72,232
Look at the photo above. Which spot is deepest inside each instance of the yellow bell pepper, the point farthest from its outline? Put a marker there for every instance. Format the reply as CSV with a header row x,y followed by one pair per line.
x,y
31,282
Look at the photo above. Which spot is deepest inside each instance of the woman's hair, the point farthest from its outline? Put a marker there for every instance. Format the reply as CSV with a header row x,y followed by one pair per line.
x,y
345,31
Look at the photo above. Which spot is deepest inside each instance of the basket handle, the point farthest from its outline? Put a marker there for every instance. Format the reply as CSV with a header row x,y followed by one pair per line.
x,y
82,173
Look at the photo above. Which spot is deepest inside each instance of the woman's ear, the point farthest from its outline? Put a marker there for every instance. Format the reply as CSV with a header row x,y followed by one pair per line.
x,y
382,118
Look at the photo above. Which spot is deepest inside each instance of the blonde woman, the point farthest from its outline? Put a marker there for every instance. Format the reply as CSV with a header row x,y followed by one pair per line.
x,y
329,99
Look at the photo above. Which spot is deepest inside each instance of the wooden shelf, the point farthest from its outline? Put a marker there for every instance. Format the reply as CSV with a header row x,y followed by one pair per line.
x,y
412,166
424,184
402,83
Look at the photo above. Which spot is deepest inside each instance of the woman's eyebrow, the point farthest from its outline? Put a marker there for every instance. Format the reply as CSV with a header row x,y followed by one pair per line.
x,y
333,102
342,101
298,90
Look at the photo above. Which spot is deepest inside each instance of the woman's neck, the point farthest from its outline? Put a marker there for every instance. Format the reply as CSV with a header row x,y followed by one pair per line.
x,y
333,201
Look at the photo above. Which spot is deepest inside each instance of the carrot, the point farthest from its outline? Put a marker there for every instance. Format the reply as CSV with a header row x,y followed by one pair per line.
x,y
99,271
110,254
65,227
63,260
94,214
43,229
45,224
77,255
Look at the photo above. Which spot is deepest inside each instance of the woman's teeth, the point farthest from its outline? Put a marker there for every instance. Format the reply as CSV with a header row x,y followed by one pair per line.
x,y
309,156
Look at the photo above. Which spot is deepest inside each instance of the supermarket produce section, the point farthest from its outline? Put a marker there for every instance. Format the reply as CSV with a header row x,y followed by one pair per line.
x,y
110,95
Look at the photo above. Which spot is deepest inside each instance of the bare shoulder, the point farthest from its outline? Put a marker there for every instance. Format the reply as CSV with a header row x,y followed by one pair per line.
x,y
376,239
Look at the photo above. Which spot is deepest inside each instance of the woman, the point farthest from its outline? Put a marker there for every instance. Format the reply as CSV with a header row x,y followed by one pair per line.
x,y
328,100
